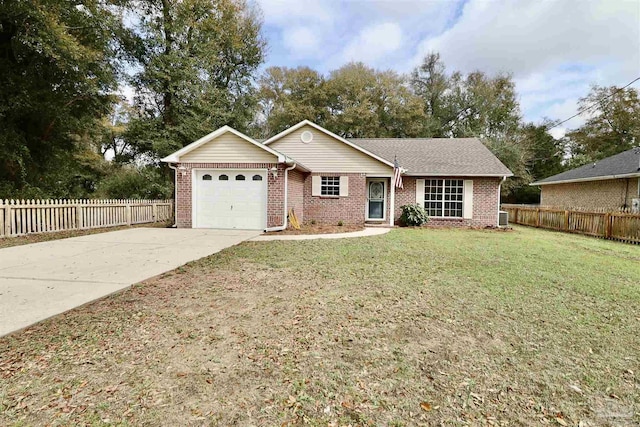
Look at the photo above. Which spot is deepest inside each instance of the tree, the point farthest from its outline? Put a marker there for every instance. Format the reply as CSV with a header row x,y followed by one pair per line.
x,y
198,58
547,153
485,107
59,63
474,105
613,126
543,157
288,96
366,103
353,101
131,182
430,82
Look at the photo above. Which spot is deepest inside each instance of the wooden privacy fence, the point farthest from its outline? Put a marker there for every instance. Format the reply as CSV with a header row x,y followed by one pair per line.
x,y
623,226
19,217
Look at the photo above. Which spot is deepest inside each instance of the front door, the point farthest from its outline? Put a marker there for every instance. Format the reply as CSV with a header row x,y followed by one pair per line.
x,y
376,199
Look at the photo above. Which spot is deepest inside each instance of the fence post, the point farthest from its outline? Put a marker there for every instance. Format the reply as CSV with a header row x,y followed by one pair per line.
x,y
128,212
78,216
2,219
515,217
566,220
155,212
7,220
607,228
537,217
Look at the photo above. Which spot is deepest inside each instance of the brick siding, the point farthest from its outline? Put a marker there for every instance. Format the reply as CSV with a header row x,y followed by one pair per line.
x,y
275,190
331,210
605,194
485,202
295,194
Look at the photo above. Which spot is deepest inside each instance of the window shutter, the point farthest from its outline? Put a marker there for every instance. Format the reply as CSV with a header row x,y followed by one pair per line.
x,y
344,186
420,192
467,208
316,183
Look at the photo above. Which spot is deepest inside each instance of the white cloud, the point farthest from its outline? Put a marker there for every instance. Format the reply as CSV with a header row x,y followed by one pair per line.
x,y
556,50
297,12
558,132
301,41
522,36
373,43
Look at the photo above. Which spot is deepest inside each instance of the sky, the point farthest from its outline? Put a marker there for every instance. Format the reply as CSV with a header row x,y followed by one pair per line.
x,y
555,50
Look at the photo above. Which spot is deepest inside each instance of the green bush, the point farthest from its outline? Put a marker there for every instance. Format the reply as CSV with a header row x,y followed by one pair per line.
x,y
413,215
340,223
136,183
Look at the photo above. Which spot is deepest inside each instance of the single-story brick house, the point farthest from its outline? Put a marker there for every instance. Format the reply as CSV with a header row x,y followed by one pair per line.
x,y
229,180
611,183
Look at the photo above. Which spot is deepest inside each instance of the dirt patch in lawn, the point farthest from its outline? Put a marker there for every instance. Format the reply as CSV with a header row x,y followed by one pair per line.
x,y
475,331
319,229
6,242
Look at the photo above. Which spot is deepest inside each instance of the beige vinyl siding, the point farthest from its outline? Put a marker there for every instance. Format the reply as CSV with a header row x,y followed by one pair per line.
x,y
327,154
228,148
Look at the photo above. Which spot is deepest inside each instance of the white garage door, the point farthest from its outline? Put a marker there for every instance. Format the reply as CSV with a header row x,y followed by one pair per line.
x,y
230,199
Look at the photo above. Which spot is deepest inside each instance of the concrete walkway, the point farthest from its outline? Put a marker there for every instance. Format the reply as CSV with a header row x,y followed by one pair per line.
x,y
41,280
368,231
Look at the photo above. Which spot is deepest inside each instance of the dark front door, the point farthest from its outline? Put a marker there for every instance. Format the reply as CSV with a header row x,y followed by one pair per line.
x,y
376,200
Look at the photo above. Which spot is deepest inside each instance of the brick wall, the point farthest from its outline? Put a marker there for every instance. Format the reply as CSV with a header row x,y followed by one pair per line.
x,y
275,190
605,194
330,210
485,202
296,193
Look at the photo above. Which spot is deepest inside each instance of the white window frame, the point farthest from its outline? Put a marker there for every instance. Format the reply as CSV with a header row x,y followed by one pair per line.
x,y
330,188
440,183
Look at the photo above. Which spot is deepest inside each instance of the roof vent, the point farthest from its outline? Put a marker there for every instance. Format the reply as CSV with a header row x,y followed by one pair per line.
x,y
306,137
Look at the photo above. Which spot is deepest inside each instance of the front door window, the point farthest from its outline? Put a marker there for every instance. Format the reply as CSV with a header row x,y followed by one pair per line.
x,y
376,200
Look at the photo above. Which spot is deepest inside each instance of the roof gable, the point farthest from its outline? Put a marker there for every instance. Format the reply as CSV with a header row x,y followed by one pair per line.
x,y
175,157
330,134
625,164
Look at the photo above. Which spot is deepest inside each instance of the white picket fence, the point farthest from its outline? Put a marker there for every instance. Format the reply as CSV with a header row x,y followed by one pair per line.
x,y
20,217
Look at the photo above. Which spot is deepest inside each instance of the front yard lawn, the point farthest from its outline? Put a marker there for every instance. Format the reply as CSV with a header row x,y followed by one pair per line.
x,y
415,327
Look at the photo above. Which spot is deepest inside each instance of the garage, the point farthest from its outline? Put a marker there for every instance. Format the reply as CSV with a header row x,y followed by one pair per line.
x,y
230,199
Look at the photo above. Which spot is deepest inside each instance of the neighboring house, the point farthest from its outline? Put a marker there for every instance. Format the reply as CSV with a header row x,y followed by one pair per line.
x,y
229,180
610,183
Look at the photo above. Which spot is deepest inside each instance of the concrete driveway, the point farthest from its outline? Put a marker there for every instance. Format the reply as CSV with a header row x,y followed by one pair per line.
x,y
41,280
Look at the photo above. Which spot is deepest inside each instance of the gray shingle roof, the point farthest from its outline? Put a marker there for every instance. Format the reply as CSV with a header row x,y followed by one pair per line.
x,y
625,163
437,156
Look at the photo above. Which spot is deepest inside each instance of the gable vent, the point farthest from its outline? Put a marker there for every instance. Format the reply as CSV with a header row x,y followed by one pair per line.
x,y
306,137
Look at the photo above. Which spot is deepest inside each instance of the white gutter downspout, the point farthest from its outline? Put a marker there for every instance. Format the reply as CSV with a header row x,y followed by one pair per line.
x,y
504,178
286,197
175,195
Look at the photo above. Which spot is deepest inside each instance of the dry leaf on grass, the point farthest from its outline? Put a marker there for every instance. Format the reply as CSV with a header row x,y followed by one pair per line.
x,y
426,406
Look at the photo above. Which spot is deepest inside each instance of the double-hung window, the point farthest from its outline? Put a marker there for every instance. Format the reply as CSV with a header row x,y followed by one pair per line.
x,y
330,186
444,197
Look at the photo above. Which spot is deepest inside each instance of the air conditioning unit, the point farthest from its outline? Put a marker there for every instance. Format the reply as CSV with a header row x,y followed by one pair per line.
x,y
503,219
635,205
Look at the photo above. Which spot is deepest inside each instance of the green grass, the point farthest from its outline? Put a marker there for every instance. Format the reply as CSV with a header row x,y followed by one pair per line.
x,y
415,327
